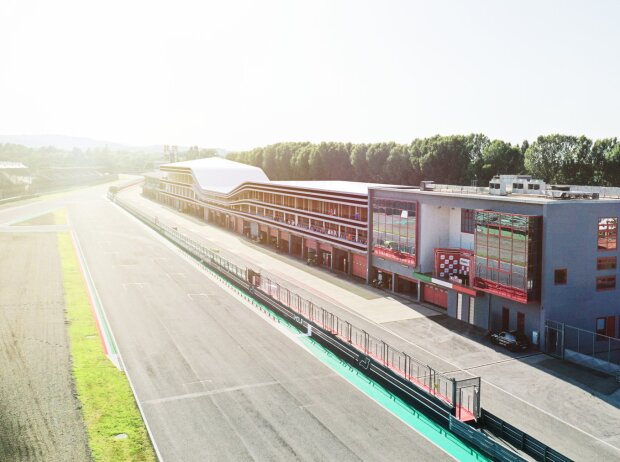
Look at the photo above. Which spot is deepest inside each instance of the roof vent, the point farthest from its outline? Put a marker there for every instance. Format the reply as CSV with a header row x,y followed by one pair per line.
x,y
502,185
568,194
427,185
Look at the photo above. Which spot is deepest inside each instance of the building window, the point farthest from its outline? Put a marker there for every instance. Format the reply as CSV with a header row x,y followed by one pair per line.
x,y
606,326
468,221
459,306
601,326
606,283
608,233
560,277
507,259
394,228
606,263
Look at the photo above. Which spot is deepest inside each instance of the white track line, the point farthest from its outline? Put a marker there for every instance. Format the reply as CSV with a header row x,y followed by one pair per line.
x,y
456,366
460,369
282,329
120,358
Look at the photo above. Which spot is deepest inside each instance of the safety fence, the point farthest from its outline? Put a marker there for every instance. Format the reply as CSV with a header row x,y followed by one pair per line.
x,y
463,395
435,394
520,439
590,349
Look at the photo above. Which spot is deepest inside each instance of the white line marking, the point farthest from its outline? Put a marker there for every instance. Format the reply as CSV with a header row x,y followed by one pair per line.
x,y
120,356
268,320
139,285
460,369
211,392
179,251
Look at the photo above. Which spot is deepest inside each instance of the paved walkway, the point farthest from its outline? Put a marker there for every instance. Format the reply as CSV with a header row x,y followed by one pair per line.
x,y
533,392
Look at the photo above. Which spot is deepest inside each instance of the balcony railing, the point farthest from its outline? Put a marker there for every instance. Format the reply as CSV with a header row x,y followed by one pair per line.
x,y
391,254
316,229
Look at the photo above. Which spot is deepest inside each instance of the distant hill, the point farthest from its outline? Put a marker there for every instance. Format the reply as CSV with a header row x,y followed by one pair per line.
x,y
59,141
68,143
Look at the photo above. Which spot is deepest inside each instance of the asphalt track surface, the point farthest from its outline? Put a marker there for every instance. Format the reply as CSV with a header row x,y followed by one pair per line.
x,y
214,379
571,409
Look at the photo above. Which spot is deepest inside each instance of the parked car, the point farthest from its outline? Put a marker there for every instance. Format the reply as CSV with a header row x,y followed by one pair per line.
x,y
512,340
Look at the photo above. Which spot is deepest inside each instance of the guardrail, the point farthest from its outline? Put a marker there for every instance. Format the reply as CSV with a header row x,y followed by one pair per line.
x,y
388,367
520,439
462,395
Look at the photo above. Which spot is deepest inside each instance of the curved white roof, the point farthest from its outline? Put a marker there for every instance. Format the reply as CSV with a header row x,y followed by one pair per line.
x,y
220,175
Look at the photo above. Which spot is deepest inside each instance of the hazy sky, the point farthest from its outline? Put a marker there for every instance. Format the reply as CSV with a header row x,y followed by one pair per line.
x,y
239,74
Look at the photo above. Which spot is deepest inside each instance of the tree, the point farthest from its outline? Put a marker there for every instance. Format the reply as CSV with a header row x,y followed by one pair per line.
x,y
561,159
606,162
476,144
397,168
524,145
338,158
445,159
300,163
606,153
359,163
499,157
376,158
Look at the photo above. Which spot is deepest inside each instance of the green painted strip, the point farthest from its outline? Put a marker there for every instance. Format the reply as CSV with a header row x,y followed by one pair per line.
x,y
416,420
421,277
419,422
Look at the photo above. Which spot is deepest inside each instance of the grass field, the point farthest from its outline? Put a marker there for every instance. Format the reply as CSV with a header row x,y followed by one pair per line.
x,y
108,404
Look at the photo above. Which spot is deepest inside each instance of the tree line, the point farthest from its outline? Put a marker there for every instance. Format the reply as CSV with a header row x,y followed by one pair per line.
x,y
455,159
101,159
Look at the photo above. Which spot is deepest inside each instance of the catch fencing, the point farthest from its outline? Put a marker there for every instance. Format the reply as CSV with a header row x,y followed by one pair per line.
x,y
463,395
584,347
448,400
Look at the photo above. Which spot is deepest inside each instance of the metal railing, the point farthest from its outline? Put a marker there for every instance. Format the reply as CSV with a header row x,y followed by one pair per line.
x,y
463,395
433,391
585,347
521,440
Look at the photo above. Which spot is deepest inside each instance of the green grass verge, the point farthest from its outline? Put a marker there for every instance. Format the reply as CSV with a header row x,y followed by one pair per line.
x,y
108,405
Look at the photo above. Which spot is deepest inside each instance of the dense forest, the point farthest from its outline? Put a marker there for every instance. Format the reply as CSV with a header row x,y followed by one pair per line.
x,y
456,159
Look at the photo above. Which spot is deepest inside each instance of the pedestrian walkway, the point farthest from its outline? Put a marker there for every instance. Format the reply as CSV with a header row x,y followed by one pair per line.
x,y
312,283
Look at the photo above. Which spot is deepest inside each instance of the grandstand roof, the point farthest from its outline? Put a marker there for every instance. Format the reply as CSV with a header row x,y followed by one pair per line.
x,y
220,175
348,187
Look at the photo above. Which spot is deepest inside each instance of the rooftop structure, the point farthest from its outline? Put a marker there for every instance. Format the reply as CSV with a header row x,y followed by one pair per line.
x,y
508,256
519,188
322,221
215,174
